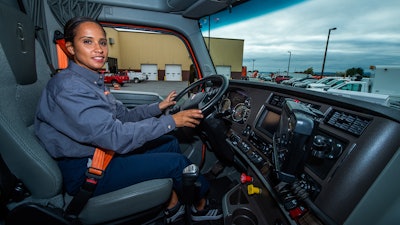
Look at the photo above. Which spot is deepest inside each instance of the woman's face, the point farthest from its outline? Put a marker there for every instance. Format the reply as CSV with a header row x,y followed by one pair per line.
x,y
89,48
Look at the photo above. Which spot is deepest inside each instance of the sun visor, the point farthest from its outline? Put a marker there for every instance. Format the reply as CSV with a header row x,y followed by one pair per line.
x,y
205,7
18,42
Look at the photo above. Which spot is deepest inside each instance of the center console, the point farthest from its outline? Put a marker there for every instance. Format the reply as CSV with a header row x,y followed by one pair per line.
x,y
288,158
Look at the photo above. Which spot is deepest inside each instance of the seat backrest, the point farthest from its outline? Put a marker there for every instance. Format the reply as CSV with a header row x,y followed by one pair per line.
x,y
24,73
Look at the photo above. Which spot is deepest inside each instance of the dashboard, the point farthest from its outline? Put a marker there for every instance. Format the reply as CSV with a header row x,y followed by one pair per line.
x,y
312,154
235,105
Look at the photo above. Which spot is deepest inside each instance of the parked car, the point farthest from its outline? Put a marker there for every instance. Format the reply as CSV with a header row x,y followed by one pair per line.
x,y
265,77
291,81
137,77
329,84
278,79
120,78
303,84
325,80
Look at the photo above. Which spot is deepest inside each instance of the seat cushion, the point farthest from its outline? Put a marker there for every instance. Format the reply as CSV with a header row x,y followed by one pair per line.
x,y
127,201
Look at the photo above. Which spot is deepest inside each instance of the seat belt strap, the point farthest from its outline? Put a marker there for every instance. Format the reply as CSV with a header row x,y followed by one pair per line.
x,y
100,161
59,39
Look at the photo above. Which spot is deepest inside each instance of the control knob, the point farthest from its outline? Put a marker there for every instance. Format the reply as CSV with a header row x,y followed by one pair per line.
x,y
319,146
323,147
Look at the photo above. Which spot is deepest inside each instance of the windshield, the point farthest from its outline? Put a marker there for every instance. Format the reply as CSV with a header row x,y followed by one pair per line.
x,y
341,39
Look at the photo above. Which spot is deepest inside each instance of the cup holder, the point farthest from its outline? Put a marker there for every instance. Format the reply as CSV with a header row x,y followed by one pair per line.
x,y
243,216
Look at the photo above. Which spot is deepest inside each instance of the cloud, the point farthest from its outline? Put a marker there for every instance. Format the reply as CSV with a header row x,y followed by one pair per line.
x,y
368,33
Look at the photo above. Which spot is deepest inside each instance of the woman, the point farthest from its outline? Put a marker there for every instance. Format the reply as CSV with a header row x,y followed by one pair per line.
x,y
77,113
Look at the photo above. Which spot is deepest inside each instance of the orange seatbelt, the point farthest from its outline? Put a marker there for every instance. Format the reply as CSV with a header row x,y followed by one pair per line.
x,y
100,161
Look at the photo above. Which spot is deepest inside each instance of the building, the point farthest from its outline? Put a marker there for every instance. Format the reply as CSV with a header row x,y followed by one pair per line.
x,y
165,57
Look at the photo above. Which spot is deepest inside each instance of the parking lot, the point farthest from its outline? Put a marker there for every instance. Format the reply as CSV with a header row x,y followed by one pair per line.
x,y
163,88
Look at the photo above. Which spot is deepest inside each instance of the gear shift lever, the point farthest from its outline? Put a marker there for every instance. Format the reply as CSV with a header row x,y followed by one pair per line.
x,y
189,177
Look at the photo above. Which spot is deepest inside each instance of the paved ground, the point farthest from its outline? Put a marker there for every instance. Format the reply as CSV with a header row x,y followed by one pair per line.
x,y
163,88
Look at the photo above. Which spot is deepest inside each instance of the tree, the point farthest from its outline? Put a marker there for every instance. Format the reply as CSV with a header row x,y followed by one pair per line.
x,y
353,71
340,74
309,71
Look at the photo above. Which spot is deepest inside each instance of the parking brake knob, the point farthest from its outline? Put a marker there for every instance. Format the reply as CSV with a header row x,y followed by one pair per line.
x,y
190,174
189,177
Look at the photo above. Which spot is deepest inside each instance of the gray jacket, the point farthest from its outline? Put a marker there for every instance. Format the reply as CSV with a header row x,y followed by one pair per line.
x,y
77,113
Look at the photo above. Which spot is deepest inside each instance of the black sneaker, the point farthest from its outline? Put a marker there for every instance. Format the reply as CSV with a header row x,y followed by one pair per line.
x,y
208,213
175,214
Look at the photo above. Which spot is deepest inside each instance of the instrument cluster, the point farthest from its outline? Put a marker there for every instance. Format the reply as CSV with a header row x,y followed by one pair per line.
x,y
235,106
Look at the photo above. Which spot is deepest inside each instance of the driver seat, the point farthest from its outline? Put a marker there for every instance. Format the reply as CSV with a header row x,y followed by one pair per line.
x,y
24,74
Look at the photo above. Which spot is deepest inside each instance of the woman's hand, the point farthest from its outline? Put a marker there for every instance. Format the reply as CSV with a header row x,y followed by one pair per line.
x,y
188,118
168,101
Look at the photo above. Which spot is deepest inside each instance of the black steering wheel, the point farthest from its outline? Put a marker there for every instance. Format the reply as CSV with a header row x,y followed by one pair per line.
x,y
202,94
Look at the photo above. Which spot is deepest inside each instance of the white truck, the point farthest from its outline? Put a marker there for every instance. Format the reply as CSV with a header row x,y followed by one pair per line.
x,y
382,88
137,77
386,80
359,90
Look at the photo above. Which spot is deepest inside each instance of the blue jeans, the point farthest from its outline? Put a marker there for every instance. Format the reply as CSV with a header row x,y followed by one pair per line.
x,y
161,158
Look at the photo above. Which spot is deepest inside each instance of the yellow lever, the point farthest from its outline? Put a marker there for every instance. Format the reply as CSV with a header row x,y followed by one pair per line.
x,y
253,190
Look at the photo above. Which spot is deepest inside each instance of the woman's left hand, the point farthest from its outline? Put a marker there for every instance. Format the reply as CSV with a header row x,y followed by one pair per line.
x,y
168,101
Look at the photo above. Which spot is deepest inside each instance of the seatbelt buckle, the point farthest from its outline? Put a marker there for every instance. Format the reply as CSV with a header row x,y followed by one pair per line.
x,y
94,173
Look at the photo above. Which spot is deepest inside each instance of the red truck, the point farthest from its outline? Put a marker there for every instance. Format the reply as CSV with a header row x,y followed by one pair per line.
x,y
111,78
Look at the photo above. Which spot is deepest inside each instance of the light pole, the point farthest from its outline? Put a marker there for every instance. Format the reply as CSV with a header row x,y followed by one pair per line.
x,y
288,66
326,49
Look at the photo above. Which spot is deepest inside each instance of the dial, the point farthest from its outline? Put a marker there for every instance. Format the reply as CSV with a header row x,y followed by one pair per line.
x,y
240,113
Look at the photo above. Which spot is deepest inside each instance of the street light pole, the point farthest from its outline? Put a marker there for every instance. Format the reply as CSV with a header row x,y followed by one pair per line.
x,y
326,49
290,56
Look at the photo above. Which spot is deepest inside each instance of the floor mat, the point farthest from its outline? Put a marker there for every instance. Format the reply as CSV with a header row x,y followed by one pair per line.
x,y
218,188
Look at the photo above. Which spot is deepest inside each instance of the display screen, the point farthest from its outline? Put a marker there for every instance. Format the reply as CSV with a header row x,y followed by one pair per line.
x,y
268,122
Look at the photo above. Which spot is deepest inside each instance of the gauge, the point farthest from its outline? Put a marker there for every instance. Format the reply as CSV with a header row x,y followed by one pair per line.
x,y
225,105
240,113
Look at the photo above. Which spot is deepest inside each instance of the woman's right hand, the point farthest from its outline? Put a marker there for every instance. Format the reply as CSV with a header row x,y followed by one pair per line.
x,y
188,118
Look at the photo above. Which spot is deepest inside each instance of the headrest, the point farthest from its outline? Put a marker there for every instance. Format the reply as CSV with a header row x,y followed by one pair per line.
x,y
18,42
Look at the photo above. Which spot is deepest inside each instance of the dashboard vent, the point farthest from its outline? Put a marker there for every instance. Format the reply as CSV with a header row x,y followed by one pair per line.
x,y
277,100
348,122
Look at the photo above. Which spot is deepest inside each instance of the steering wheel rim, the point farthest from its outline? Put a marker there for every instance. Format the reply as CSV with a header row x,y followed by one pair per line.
x,y
204,99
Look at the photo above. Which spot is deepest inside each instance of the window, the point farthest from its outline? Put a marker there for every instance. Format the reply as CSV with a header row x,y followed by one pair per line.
x,y
314,38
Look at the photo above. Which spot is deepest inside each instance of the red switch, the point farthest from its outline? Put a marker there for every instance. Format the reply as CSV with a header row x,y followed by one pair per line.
x,y
245,179
297,212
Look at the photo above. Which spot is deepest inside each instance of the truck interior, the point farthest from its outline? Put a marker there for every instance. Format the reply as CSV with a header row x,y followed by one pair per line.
x,y
273,154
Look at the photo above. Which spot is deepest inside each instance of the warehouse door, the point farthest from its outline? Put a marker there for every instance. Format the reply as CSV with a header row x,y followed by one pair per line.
x,y
150,70
224,70
173,72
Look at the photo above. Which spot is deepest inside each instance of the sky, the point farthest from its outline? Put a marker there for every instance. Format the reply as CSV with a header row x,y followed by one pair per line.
x,y
368,33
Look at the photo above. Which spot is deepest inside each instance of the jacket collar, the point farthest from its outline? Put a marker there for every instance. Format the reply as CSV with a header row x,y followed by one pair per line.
x,y
87,74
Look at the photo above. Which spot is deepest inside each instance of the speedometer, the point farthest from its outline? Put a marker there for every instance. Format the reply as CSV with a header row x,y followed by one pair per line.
x,y
240,113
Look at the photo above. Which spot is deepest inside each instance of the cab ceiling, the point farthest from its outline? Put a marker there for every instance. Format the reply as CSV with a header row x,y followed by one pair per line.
x,y
194,9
